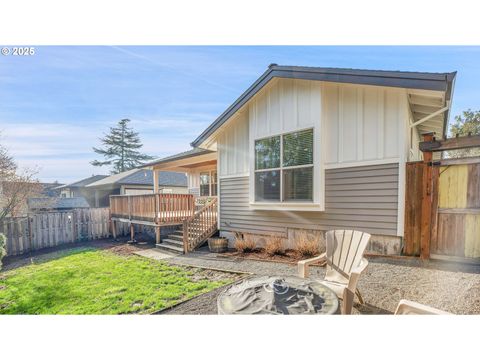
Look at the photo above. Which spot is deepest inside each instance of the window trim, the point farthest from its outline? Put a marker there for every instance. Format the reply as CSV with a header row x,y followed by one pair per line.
x,y
280,169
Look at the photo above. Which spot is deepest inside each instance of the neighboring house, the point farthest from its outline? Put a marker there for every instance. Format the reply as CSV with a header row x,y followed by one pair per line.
x,y
56,204
136,182
78,189
51,189
315,149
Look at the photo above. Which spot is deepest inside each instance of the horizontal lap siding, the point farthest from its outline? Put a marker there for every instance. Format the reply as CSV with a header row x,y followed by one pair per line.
x,y
363,198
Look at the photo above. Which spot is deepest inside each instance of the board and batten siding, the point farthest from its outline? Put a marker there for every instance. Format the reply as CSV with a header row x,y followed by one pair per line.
x,y
232,147
362,123
362,198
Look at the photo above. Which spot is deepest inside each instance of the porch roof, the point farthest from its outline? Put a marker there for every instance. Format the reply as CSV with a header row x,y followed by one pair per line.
x,y
184,160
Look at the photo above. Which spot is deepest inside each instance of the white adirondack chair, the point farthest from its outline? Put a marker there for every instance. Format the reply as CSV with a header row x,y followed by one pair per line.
x,y
345,263
407,307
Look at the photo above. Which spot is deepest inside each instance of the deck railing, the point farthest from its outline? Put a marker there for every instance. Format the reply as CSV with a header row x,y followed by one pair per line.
x,y
201,226
155,208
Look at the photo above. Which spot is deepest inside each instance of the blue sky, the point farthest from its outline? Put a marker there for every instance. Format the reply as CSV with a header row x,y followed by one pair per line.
x,y
56,104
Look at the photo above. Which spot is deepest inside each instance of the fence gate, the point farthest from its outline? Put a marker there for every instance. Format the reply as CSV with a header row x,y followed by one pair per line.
x,y
442,203
457,230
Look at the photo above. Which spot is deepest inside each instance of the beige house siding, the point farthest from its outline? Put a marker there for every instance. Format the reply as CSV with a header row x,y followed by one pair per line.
x,y
364,198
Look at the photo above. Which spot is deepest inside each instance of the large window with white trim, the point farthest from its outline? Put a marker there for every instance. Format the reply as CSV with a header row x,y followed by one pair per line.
x,y
284,167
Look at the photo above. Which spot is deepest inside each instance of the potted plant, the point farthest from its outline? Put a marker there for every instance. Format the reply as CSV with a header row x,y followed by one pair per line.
x,y
218,244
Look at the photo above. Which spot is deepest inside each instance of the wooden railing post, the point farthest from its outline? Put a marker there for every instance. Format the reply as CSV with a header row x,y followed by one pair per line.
x,y
185,236
426,227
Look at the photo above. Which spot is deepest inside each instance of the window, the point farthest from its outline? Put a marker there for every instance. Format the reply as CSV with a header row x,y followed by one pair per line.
x,y
213,188
208,183
205,184
284,168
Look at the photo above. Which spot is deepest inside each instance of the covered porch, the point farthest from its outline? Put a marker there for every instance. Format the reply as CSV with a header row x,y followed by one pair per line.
x,y
195,213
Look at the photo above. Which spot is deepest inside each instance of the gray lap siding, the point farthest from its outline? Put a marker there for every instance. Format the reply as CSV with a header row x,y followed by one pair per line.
x,y
363,198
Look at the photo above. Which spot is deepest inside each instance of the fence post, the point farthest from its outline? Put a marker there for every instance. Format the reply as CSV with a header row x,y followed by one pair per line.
x,y
426,224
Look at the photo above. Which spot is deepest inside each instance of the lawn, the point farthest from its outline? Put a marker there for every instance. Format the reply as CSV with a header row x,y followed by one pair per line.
x,y
92,281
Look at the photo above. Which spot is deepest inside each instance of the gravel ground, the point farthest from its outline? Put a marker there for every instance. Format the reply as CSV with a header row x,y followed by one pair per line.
x,y
448,287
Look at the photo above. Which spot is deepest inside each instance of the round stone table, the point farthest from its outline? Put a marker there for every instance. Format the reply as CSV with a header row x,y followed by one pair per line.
x,y
278,295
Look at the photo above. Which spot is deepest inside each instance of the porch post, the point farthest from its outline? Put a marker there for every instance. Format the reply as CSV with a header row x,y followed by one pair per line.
x,y
156,190
426,224
156,174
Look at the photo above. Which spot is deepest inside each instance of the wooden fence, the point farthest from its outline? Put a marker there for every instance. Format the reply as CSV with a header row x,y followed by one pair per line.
x,y
455,209
49,229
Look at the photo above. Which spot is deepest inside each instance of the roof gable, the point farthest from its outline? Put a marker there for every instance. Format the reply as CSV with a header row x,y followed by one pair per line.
x,y
402,79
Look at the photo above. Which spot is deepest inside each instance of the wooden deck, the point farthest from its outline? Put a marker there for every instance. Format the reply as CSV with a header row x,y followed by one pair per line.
x,y
152,209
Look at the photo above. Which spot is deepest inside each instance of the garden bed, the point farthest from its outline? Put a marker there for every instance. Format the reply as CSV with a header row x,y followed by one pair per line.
x,y
290,256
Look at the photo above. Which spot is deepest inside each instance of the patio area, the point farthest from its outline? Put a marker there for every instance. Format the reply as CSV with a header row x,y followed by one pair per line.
x,y
446,286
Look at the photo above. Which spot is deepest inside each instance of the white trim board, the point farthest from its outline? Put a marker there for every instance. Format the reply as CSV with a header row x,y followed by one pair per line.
x,y
361,163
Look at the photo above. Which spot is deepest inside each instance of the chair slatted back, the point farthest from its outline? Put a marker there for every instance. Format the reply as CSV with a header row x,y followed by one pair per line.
x,y
345,250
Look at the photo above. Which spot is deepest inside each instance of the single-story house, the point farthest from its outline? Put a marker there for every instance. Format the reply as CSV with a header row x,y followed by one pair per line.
x,y
136,182
77,189
313,149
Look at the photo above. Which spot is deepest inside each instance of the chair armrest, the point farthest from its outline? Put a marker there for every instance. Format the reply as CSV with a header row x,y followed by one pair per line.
x,y
304,264
355,274
407,307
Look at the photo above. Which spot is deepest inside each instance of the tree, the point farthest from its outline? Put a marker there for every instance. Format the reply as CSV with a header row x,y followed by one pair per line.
x,y
466,124
121,149
3,243
16,186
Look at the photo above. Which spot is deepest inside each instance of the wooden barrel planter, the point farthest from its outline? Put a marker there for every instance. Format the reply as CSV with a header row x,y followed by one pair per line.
x,y
218,245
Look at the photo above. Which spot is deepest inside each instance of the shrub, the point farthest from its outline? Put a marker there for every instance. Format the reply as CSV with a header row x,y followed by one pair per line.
x,y
305,245
244,243
274,245
3,252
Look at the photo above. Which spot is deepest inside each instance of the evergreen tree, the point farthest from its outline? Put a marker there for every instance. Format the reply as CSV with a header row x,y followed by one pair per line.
x,y
121,149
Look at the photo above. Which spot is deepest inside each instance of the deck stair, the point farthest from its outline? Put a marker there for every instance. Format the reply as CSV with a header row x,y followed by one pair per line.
x,y
194,230
173,243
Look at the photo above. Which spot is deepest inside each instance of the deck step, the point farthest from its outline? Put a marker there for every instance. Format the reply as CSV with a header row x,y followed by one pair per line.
x,y
176,237
173,242
170,248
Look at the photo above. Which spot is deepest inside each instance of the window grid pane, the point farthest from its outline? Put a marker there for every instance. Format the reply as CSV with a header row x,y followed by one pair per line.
x,y
267,185
267,153
298,148
298,184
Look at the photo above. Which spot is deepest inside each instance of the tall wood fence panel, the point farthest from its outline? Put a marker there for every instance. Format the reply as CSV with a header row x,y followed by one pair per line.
x,y
49,229
458,229
413,208
455,221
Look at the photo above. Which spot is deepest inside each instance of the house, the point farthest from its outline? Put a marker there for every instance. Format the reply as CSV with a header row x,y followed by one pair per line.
x,y
51,189
313,149
56,204
136,182
77,189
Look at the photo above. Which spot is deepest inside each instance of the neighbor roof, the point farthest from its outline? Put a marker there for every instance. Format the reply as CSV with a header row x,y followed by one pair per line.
x,y
403,79
183,155
57,203
83,182
143,177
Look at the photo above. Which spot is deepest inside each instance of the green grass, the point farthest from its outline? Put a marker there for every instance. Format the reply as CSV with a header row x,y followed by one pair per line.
x,y
89,281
